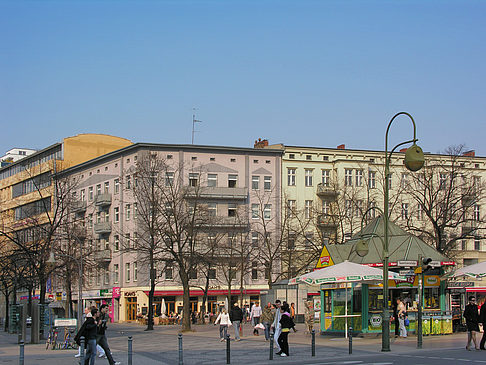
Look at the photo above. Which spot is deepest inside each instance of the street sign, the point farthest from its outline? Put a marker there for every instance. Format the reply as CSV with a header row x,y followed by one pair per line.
x,y
407,263
435,263
407,272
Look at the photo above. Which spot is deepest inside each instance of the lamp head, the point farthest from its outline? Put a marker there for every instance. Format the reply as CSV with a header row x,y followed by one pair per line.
x,y
361,248
51,260
414,158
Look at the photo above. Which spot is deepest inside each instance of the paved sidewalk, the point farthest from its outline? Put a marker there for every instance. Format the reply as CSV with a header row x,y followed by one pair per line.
x,y
202,347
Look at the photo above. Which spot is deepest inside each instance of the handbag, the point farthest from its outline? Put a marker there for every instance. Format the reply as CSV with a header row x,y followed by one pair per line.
x,y
407,322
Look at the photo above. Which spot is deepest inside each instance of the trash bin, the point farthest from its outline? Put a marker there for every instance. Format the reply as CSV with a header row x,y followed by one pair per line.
x,y
436,325
426,325
447,324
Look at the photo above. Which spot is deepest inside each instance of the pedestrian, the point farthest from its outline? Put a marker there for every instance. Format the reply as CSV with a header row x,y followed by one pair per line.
x,y
224,322
101,352
236,316
267,319
286,323
472,322
395,318
292,311
276,326
101,339
256,312
482,319
402,313
90,328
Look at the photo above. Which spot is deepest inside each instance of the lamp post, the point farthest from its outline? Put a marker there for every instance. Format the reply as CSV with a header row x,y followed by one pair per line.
x,y
79,263
414,160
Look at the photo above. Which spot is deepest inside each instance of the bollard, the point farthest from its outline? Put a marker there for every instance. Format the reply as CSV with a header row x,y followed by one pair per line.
x,y
21,357
271,346
81,358
130,348
228,349
350,336
180,349
313,343
19,338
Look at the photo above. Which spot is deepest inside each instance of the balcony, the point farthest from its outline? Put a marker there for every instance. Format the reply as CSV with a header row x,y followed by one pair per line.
x,y
226,222
327,221
219,193
470,229
102,200
326,192
103,256
102,228
79,206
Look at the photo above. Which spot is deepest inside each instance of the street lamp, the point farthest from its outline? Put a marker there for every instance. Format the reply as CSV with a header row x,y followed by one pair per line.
x,y
414,160
52,261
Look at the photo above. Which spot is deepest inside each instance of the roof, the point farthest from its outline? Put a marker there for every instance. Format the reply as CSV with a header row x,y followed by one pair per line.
x,y
402,246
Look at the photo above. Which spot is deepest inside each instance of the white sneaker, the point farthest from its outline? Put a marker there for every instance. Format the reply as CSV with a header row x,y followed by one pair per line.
x,y
283,354
77,355
117,363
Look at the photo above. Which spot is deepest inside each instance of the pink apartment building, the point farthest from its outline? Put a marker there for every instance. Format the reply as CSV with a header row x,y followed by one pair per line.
x,y
234,181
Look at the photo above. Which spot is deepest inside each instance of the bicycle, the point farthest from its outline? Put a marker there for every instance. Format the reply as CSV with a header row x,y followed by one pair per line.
x,y
68,340
52,339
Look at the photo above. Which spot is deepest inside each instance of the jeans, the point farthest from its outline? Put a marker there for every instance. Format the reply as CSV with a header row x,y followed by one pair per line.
x,y
103,343
284,343
267,330
90,352
237,329
223,330
403,329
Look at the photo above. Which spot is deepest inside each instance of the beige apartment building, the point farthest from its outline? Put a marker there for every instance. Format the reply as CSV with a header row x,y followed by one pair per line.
x,y
239,189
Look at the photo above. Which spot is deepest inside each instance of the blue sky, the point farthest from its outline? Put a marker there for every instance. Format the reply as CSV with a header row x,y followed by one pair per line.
x,y
310,73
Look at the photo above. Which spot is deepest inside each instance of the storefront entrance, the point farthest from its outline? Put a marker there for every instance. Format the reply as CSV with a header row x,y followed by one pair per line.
x,y
131,312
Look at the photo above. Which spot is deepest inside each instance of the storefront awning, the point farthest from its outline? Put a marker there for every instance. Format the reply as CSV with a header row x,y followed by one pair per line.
x,y
195,293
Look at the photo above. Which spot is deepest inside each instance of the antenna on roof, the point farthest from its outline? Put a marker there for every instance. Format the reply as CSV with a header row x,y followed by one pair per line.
x,y
194,121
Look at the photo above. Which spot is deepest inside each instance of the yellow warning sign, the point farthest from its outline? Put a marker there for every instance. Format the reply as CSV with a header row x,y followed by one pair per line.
x,y
325,259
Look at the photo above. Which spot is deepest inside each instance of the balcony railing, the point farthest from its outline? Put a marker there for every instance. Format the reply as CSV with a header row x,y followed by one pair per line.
x,y
218,193
102,227
327,221
79,206
226,222
103,200
326,192
470,229
103,256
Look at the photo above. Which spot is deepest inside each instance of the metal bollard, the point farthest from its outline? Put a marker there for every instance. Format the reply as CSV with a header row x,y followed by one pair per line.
x,y
271,346
228,349
350,336
313,343
81,358
21,357
130,350
180,349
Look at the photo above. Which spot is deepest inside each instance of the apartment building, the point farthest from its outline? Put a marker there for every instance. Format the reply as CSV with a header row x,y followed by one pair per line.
x,y
238,187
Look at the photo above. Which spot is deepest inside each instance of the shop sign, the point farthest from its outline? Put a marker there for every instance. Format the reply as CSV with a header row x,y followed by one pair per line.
x,y
105,293
116,292
460,284
407,263
130,294
405,283
375,320
431,280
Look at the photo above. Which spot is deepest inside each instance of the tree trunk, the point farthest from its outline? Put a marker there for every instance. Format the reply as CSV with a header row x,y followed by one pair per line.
x,y
42,284
186,308
69,299
205,297
6,294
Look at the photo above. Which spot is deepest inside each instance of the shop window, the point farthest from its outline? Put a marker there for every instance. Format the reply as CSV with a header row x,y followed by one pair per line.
x,y
431,298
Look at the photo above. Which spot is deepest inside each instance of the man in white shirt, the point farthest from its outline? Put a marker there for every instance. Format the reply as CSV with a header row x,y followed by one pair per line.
x,y
256,312
276,324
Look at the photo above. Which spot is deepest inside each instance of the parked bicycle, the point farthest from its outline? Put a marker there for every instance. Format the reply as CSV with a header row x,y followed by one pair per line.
x,y
52,339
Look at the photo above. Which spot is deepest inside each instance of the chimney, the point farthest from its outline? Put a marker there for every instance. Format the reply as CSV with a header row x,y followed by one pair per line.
x,y
261,143
341,147
404,150
471,153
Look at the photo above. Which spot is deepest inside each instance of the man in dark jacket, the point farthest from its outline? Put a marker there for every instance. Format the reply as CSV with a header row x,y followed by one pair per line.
x,y
236,316
101,335
91,326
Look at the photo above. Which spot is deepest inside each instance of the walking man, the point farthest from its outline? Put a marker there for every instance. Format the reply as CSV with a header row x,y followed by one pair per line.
x,y
236,316
101,335
276,323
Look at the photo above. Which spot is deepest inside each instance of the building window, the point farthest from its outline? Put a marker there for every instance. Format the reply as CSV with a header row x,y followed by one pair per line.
x,y
127,240
194,158
308,177
326,177
359,177
359,208
267,211
232,181
127,272
420,212
348,208
371,179
128,209
90,220
372,211
404,210
116,242
212,209
308,209
404,181
476,213
212,274
255,182
442,181
464,245
193,274
477,244
291,177
129,182
231,210
267,183
135,210
291,207
254,239
83,195
106,277
325,207
135,271
348,177
116,274
116,184
106,189
116,214
255,214
254,270
98,217
169,178
98,189
193,179
308,157
90,193
390,175
169,272
212,180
